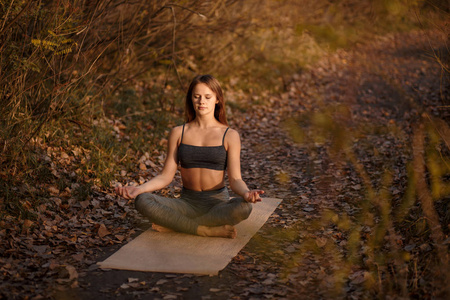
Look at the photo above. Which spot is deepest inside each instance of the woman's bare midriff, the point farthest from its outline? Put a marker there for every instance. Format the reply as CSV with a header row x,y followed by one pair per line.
x,y
199,179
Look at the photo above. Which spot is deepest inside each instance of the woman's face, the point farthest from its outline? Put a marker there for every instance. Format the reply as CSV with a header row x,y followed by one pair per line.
x,y
203,99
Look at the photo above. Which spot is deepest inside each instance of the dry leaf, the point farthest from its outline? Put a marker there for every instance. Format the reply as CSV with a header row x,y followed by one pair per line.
x,y
161,281
78,257
321,241
103,231
73,274
53,191
149,163
119,237
27,224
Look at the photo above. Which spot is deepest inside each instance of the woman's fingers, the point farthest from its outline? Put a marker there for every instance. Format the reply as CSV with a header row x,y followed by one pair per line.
x,y
126,192
253,196
123,191
256,194
257,198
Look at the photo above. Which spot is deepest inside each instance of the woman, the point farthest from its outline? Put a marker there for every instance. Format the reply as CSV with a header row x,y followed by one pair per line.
x,y
205,147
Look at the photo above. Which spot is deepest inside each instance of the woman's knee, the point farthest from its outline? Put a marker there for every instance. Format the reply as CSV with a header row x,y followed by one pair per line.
x,y
142,201
246,209
241,212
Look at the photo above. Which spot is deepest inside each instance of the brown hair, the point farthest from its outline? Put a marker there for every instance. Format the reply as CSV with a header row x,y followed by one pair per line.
x,y
214,85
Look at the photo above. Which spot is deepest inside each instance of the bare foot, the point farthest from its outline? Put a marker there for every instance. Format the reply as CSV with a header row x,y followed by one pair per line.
x,y
160,228
226,231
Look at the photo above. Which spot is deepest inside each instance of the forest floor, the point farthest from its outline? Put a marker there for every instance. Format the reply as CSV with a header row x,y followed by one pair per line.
x,y
380,90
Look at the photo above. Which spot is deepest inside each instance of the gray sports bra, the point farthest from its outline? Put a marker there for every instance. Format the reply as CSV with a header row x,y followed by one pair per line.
x,y
207,157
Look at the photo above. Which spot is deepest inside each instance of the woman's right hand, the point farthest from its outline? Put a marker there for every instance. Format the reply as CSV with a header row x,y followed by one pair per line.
x,y
128,192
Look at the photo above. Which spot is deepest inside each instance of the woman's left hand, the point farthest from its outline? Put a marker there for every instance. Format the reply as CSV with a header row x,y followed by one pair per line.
x,y
252,196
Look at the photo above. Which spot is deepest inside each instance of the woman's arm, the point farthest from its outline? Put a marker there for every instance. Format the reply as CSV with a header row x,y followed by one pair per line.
x,y
162,180
238,185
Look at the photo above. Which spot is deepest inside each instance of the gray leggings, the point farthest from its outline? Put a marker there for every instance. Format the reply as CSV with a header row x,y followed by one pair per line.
x,y
193,208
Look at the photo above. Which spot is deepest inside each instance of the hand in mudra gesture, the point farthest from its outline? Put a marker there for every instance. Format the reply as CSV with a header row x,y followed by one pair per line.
x,y
127,192
252,196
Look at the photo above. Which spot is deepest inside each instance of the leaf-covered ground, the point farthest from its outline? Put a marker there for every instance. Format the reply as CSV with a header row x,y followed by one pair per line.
x,y
375,93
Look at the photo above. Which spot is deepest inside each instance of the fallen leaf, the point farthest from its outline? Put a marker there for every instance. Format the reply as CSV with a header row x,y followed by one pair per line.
x,y
78,257
53,191
149,163
27,224
161,281
321,241
103,231
359,277
410,247
73,274
40,249
270,279
119,237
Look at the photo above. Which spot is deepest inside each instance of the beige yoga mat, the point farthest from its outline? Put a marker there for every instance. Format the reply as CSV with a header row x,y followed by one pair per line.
x,y
173,252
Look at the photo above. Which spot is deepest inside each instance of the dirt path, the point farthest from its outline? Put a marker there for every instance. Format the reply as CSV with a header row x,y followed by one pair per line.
x,y
378,90
390,81
386,84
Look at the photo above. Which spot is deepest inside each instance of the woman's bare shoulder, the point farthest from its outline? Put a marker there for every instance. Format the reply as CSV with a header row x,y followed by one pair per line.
x,y
232,136
232,132
176,131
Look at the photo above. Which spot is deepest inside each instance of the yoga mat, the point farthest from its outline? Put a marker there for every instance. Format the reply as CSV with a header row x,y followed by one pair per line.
x,y
173,252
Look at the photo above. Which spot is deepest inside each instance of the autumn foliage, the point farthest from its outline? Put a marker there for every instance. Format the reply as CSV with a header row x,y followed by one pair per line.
x,y
89,90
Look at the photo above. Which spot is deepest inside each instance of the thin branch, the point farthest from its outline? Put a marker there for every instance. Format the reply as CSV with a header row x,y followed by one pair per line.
x,y
173,47
188,9
7,13
16,18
